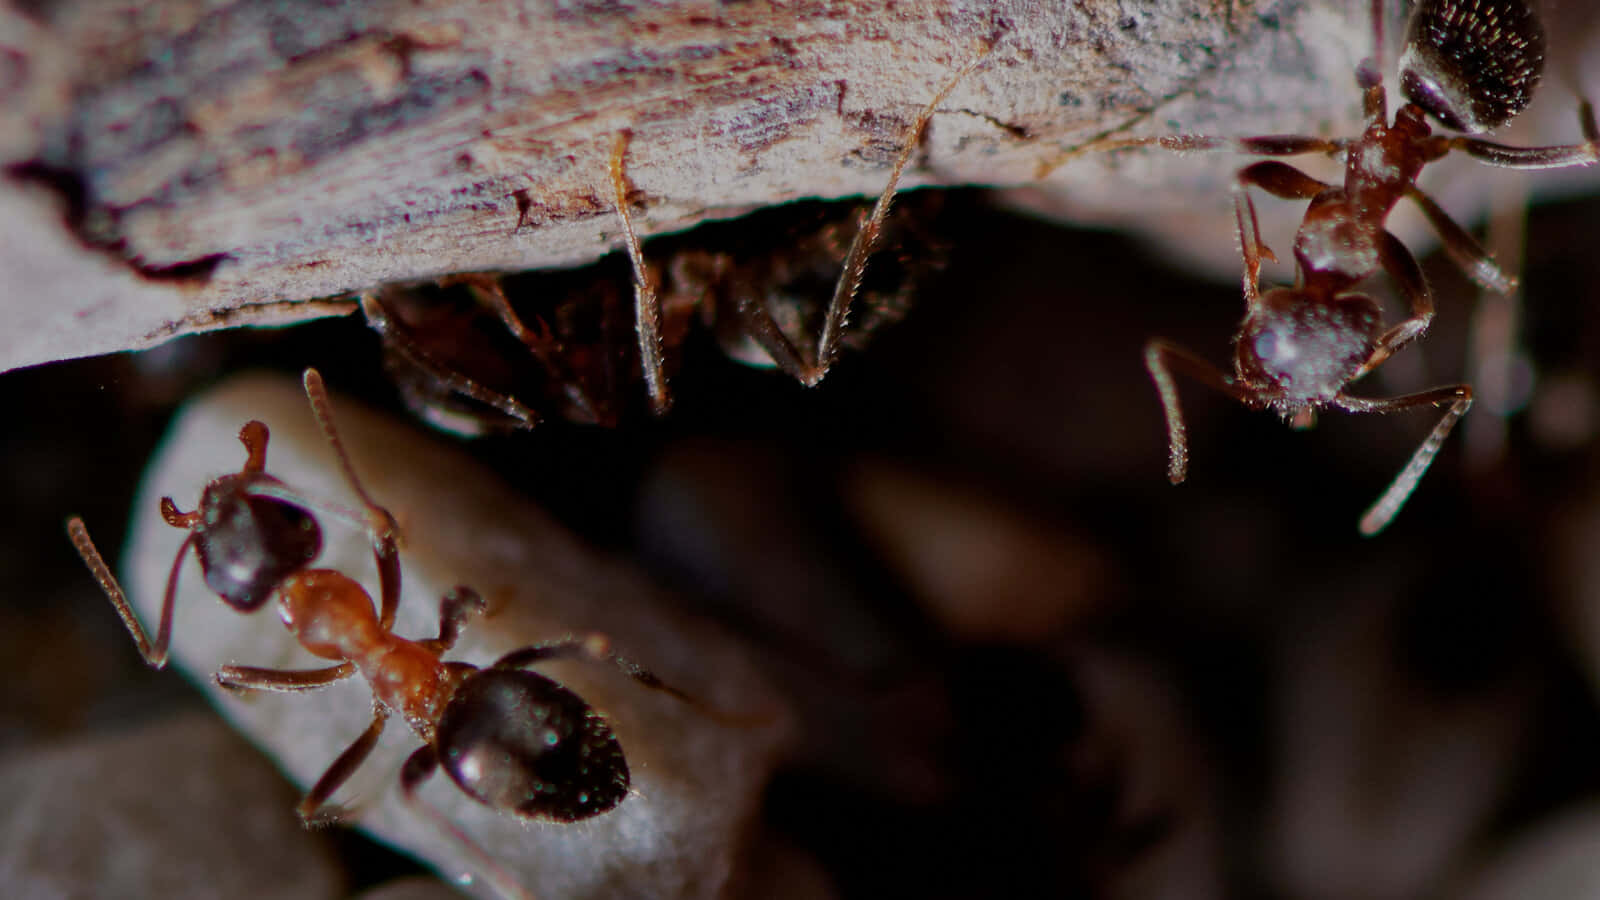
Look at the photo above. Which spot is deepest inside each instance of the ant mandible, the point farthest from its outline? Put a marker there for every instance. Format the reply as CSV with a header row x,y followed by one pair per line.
x,y
1471,64
511,739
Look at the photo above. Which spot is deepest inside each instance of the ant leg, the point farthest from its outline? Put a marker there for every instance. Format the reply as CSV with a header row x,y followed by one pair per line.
x,y
488,291
646,302
866,239
460,603
239,679
540,342
1559,157
1397,260
1280,180
397,341
1380,514
1262,145
1161,358
314,809
154,652
596,648
1461,247
381,524
418,768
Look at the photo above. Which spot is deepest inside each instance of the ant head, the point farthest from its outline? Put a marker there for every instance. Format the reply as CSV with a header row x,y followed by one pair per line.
x,y
1297,348
517,741
248,543
1472,64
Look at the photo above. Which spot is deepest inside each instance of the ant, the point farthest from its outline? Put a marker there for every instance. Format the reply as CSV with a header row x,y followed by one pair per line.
x,y
512,739
252,533
1471,64
458,366
745,301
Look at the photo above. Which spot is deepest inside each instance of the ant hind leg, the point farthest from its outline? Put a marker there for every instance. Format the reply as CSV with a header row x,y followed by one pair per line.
x,y
1381,513
314,808
596,648
418,768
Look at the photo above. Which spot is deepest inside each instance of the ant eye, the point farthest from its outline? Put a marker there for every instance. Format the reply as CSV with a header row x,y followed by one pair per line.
x,y
1472,64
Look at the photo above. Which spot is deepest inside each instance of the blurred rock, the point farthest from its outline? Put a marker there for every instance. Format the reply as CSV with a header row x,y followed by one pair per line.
x,y
182,808
1555,860
760,538
1381,780
697,783
985,570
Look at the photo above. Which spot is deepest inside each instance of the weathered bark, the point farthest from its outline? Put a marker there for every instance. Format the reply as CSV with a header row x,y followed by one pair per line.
x,y
193,165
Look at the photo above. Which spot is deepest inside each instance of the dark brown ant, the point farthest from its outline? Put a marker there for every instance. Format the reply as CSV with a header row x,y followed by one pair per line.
x,y
512,739
464,361
744,300
1471,64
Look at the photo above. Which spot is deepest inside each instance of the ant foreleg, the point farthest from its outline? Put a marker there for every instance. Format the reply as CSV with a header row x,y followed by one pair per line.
x,y
1461,247
396,340
1262,145
1161,358
418,768
314,809
239,679
1381,513
1537,157
154,652
646,302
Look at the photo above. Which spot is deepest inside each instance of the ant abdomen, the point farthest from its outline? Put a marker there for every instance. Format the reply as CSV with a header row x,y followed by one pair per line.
x,y
1472,64
1306,349
567,763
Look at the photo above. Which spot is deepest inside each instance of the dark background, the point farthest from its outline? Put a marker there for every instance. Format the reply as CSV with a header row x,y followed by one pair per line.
x,y
1244,662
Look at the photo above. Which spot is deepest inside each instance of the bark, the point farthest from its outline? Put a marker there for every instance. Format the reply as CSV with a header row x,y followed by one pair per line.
x,y
190,165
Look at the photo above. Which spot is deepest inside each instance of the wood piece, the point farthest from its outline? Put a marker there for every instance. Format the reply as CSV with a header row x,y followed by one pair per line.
x,y
188,165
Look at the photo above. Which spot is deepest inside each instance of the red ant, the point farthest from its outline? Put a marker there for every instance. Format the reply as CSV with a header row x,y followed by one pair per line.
x,y
251,532
1471,64
512,739
731,296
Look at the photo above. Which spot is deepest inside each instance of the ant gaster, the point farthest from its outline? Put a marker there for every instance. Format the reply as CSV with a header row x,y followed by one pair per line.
x,y
730,299
1471,64
512,739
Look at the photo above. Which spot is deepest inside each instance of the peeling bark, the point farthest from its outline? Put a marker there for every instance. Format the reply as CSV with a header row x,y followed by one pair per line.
x,y
189,165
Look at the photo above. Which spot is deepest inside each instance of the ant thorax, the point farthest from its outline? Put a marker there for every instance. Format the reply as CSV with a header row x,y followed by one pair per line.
x,y
1296,351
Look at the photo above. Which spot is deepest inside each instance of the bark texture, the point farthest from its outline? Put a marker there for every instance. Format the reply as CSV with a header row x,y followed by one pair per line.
x,y
187,165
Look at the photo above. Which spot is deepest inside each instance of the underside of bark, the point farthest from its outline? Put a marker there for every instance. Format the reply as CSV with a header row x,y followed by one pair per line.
x,y
190,165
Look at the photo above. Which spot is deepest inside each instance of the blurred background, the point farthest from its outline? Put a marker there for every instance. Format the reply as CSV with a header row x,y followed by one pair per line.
x,y
1025,663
